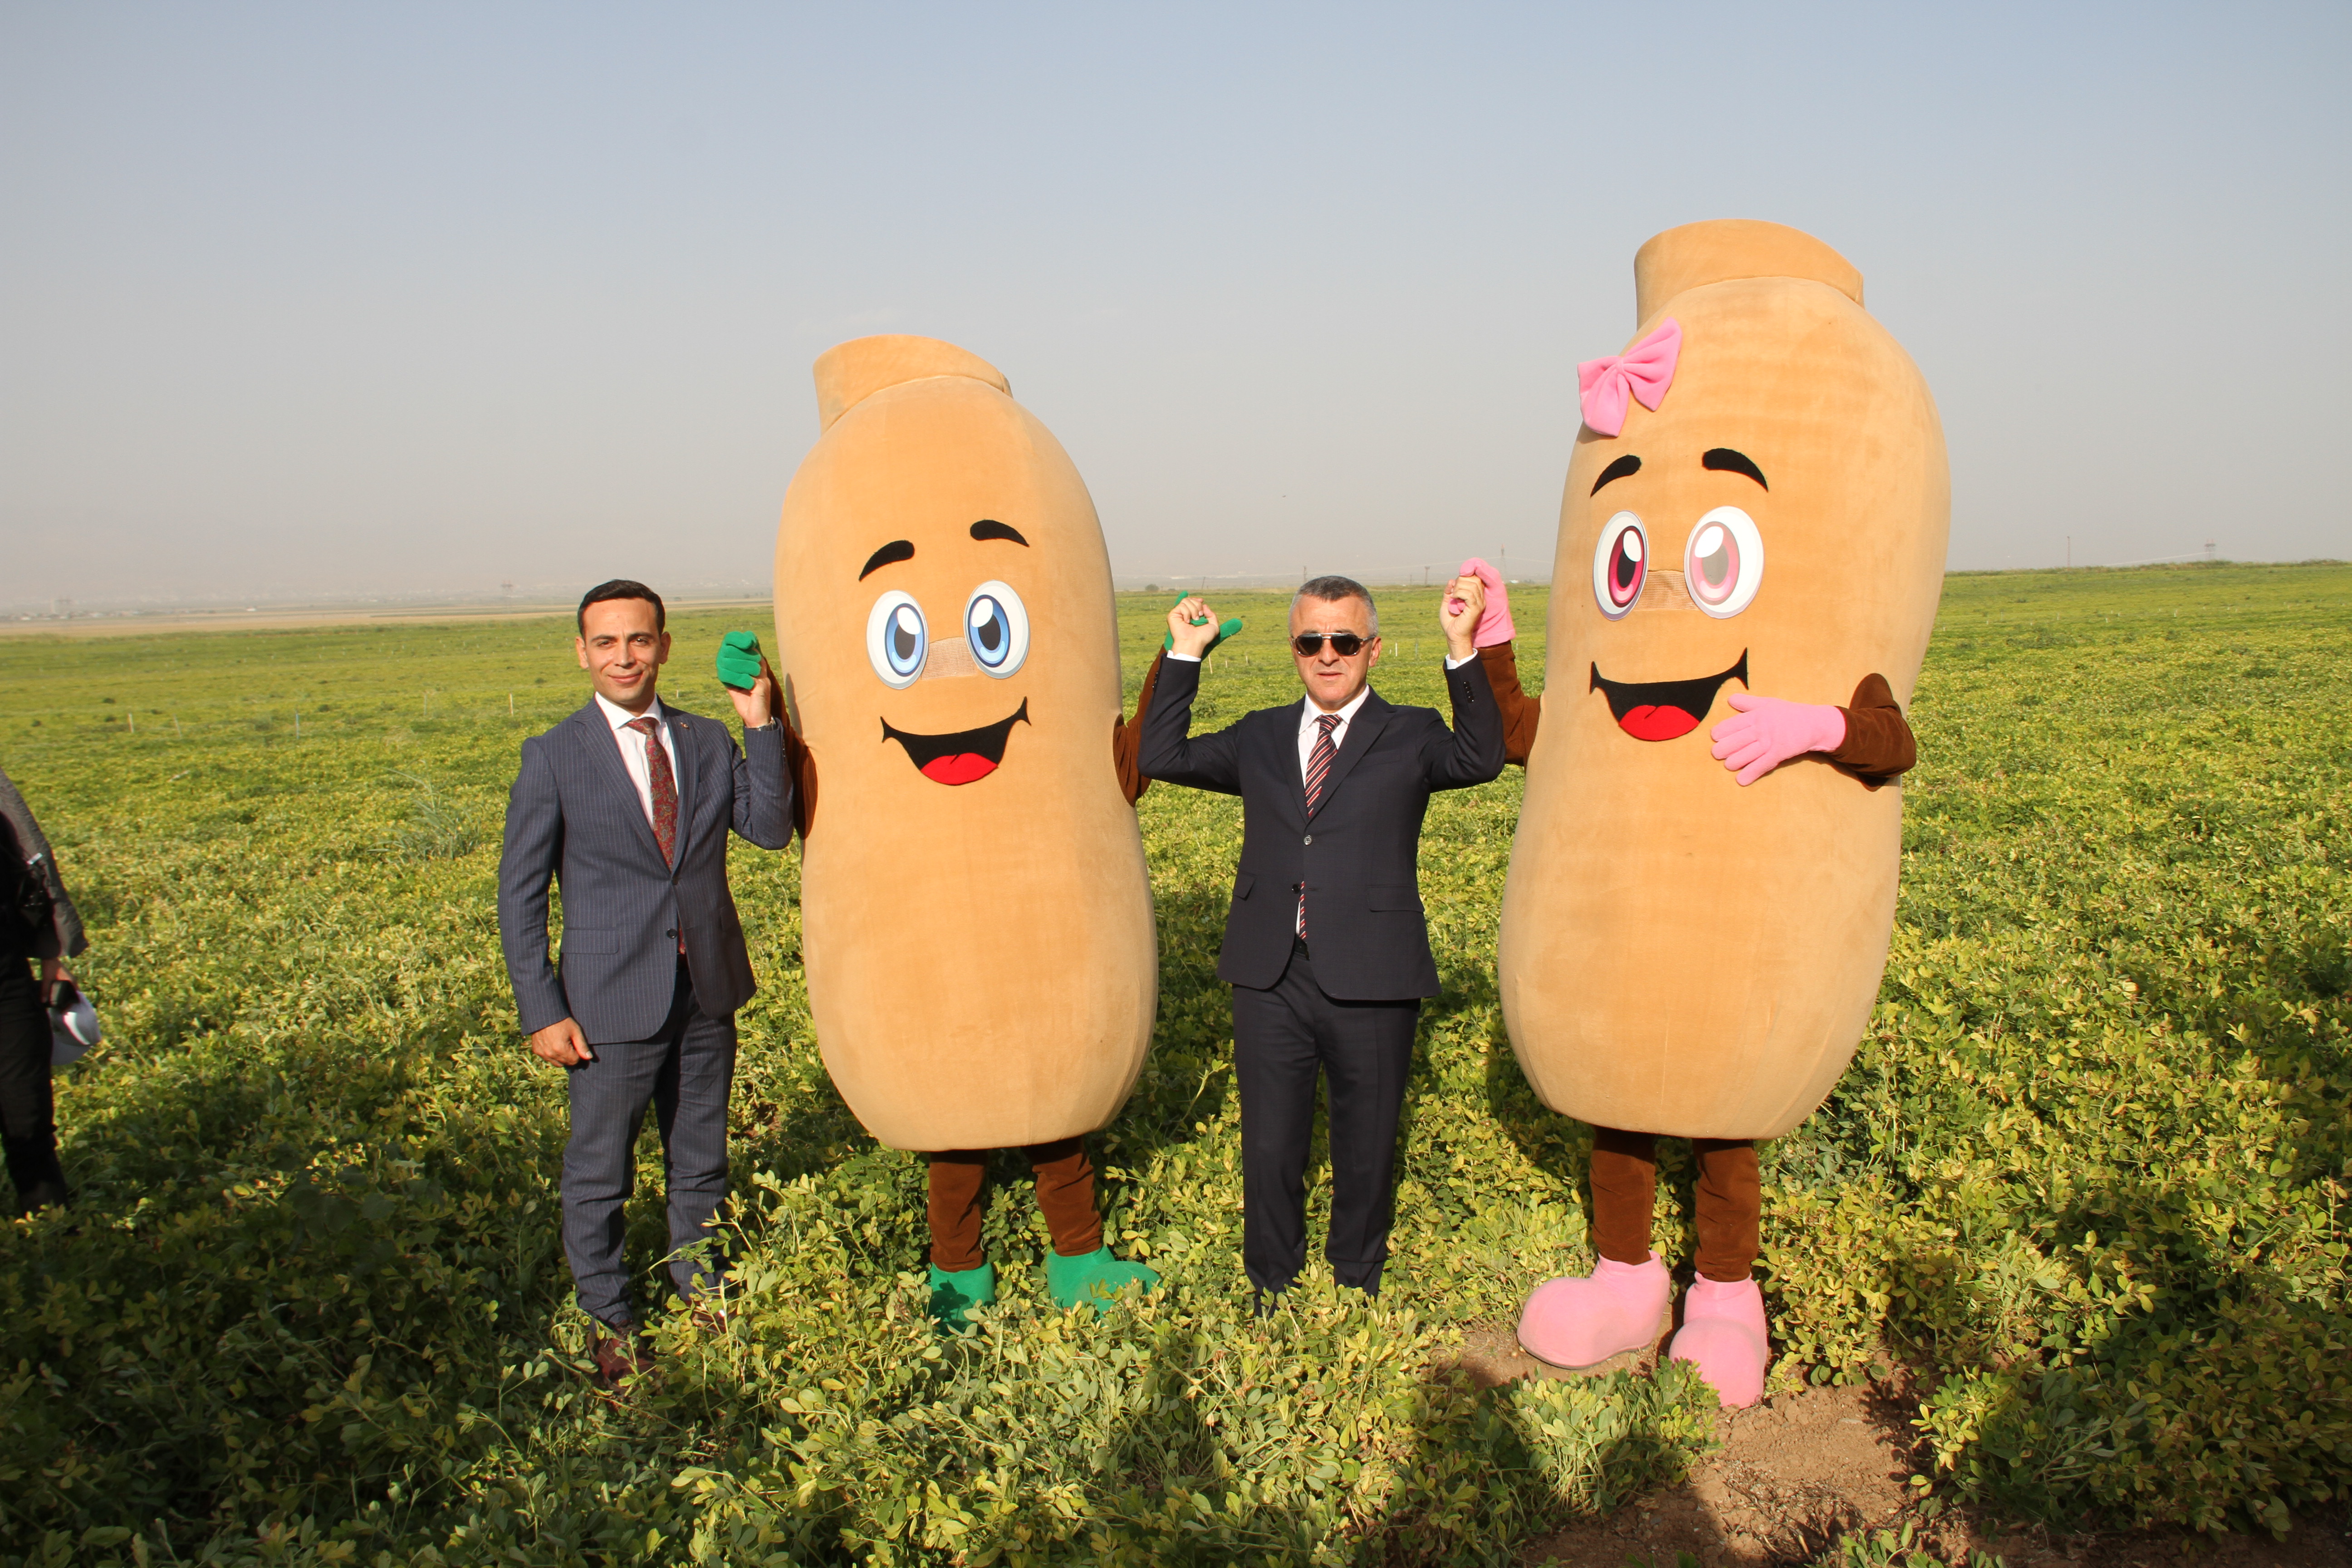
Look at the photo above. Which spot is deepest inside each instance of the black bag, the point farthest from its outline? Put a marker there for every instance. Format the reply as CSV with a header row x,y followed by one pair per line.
x,y
22,886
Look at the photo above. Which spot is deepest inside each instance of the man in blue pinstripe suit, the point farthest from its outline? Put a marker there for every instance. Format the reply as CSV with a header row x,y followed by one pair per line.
x,y
628,804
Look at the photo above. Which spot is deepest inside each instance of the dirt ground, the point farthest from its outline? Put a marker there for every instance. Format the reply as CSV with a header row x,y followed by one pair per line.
x,y
1797,1471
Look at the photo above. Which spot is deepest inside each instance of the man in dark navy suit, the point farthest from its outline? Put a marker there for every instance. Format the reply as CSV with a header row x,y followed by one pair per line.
x,y
1326,945
628,804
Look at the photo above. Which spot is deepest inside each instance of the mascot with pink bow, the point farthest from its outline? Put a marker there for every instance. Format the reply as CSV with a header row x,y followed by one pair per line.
x,y
1702,885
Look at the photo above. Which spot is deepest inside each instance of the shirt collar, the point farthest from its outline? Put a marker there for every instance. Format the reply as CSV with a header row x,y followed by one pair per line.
x,y
1347,713
621,717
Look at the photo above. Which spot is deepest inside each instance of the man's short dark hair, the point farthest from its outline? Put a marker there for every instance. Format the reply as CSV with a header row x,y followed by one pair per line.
x,y
1331,590
621,588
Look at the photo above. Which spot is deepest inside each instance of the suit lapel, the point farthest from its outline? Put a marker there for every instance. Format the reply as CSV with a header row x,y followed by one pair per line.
x,y
603,749
1292,716
1362,731
682,732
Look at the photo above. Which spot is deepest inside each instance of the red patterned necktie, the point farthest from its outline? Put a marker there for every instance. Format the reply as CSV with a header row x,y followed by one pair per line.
x,y
1318,768
665,786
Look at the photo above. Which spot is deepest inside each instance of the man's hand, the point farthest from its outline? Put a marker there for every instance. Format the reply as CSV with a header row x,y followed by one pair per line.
x,y
53,974
1193,626
755,707
1458,610
563,1043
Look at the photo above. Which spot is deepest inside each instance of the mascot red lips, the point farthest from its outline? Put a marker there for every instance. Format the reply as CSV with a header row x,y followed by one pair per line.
x,y
965,757
1663,709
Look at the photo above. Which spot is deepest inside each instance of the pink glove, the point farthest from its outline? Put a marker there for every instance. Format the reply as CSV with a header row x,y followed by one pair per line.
x,y
1495,627
1765,731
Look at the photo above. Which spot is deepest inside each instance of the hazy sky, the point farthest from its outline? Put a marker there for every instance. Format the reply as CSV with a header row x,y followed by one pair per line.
x,y
305,300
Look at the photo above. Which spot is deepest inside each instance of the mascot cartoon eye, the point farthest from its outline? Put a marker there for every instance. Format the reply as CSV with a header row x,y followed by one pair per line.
x,y
996,628
896,641
1723,564
1620,564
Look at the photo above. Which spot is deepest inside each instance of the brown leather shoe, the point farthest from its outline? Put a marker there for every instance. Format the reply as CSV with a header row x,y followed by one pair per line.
x,y
620,1355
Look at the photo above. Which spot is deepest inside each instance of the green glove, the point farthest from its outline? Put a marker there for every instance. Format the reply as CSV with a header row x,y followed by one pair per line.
x,y
739,660
1229,628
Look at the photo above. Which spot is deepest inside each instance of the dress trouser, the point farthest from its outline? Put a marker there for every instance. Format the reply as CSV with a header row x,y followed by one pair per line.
x,y
685,1073
1065,1193
29,1132
1729,1201
1283,1036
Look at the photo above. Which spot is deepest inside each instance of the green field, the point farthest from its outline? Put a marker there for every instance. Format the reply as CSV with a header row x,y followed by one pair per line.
x,y
2087,1175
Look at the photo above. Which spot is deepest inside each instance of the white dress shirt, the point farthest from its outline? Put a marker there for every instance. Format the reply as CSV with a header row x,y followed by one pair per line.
x,y
1310,725
633,748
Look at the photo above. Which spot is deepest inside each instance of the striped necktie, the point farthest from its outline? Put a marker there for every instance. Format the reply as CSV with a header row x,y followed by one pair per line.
x,y
1319,769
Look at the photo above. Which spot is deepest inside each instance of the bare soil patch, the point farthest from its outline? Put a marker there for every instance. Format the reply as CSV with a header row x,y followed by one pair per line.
x,y
1798,1470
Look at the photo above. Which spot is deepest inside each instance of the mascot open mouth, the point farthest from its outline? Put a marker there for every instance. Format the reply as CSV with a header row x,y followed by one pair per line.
x,y
1662,710
964,756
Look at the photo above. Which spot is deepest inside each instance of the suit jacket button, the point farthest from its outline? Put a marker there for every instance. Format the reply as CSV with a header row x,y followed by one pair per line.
x,y
671,935
1308,839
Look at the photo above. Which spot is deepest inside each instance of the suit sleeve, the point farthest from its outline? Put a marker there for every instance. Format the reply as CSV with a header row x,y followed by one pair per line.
x,y
1520,712
1126,738
1879,747
534,845
763,789
1471,751
1170,751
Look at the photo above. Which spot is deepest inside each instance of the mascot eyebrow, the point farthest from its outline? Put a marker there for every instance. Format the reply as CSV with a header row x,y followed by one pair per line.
x,y
896,550
1621,467
1732,462
899,550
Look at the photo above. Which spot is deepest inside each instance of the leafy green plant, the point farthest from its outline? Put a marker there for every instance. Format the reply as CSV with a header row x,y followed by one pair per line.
x,y
438,828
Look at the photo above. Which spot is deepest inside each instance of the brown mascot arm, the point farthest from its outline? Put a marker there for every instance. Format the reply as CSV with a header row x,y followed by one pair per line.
x,y
1521,714
1878,745
800,767
1126,738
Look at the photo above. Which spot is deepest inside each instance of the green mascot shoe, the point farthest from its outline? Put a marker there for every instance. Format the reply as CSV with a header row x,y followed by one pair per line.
x,y
953,1295
1081,1281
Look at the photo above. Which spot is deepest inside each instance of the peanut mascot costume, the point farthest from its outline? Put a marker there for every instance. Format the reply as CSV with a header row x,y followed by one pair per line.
x,y
1702,887
977,927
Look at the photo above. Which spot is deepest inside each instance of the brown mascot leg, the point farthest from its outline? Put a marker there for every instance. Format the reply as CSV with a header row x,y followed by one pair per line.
x,y
957,1176
1624,1189
1731,1208
1066,1195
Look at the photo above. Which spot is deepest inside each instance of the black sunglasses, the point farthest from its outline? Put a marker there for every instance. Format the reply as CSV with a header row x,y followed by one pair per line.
x,y
1347,645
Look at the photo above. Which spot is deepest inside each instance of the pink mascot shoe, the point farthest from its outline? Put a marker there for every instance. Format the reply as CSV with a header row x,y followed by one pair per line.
x,y
1576,1323
1723,1336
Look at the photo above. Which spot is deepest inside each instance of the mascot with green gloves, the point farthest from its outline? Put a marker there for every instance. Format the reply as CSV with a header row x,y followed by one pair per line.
x,y
976,922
